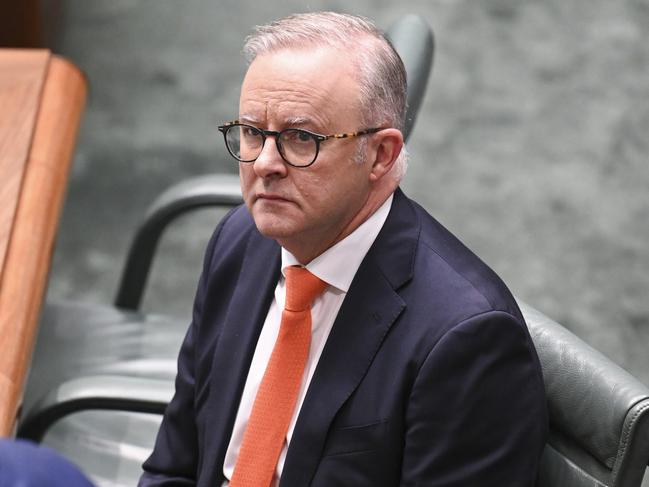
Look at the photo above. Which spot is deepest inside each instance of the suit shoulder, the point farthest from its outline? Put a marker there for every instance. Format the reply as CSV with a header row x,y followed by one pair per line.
x,y
469,283
232,237
237,221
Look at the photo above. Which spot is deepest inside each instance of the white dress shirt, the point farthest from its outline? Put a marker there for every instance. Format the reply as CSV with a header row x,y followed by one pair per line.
x,y
336,266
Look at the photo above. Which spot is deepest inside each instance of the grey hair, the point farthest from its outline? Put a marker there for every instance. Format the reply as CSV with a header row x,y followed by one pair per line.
x,y
381,73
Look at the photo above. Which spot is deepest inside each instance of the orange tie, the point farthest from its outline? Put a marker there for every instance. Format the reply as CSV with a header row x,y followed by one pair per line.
x,y
275,401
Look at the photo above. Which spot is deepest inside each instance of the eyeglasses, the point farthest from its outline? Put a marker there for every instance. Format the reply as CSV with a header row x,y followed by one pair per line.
x,y
297,147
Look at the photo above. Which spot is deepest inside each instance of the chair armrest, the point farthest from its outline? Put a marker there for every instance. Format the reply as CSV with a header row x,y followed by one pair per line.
x,y
413,39
199,192
117,393
599,413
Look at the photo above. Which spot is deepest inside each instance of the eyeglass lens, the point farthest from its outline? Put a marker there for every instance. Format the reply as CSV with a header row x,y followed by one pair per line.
x,y
245,142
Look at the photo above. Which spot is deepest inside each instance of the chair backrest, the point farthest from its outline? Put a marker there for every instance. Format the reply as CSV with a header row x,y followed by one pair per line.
x,y
599,413
413,39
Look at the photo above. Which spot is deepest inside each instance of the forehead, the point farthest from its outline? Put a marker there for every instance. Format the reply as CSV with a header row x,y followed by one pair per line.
x,y
317,85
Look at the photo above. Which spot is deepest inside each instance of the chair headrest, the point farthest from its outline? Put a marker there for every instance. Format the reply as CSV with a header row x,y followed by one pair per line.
x,y
413,39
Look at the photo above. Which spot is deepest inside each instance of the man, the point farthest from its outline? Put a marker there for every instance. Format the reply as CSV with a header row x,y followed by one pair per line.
x,y
417,367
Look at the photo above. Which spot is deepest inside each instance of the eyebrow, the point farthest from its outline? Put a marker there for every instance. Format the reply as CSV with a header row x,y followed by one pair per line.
x,y
298,121
248,119
289,121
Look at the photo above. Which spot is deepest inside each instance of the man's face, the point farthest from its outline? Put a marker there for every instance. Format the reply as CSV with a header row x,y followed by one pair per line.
x,y
305,209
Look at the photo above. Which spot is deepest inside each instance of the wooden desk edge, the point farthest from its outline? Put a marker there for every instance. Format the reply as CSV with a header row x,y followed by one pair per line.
x,y
32,240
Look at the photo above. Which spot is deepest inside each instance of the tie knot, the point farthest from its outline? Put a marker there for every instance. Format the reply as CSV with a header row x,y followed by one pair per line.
x,y
302,288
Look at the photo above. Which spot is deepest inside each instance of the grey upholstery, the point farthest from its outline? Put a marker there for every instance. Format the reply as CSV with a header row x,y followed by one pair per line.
x,y
599,413
79,339
96,393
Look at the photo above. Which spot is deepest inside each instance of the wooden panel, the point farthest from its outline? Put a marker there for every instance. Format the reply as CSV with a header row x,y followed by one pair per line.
x,y
22,74
21,23
30,246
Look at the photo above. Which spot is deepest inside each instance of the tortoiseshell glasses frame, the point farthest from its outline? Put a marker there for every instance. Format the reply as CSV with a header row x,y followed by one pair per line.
x,y
297,147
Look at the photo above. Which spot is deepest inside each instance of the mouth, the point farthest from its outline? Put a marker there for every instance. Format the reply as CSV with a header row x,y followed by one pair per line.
x,y
272,197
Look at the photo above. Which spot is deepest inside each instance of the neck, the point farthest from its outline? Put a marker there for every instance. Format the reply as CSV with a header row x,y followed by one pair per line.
x,y
307,250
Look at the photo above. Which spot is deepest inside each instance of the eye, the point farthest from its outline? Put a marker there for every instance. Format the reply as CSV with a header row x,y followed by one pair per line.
x,y
297,136
303,136
248,131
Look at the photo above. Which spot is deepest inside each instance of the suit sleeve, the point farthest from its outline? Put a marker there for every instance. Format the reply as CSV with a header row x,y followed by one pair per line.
x,y
175,455
477,412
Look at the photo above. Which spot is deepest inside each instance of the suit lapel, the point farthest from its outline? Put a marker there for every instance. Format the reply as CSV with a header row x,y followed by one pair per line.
x,y
370,308
236,345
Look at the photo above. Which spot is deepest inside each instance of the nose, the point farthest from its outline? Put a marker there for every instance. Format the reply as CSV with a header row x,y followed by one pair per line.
x,y
270,162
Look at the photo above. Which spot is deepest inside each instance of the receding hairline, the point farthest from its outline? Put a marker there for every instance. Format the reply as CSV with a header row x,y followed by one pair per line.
x,y
371,57
352,61
325,82
308,29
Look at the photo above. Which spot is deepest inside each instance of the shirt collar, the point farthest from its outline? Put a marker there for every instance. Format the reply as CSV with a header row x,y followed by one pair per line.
x,y
338,264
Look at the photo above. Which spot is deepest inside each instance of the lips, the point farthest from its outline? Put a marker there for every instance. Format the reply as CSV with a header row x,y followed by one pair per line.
x,y
272,197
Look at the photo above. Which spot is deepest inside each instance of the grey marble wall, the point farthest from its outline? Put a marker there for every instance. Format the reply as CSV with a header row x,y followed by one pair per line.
x,y
532,145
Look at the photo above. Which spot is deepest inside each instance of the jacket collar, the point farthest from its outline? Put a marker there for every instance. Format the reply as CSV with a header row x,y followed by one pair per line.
x,y
369,310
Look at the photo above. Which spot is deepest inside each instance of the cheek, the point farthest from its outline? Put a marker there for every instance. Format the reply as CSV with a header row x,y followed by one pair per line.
x,y
246,180
312,190
246,174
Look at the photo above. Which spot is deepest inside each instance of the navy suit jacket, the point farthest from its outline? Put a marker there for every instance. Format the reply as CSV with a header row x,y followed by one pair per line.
x,y
25,464
428,378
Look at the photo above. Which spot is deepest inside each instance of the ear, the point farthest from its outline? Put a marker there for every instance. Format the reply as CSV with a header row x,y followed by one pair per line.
x,y
386,146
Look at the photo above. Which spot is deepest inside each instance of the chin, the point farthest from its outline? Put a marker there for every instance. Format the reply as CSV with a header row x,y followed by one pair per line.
x,y
274,227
